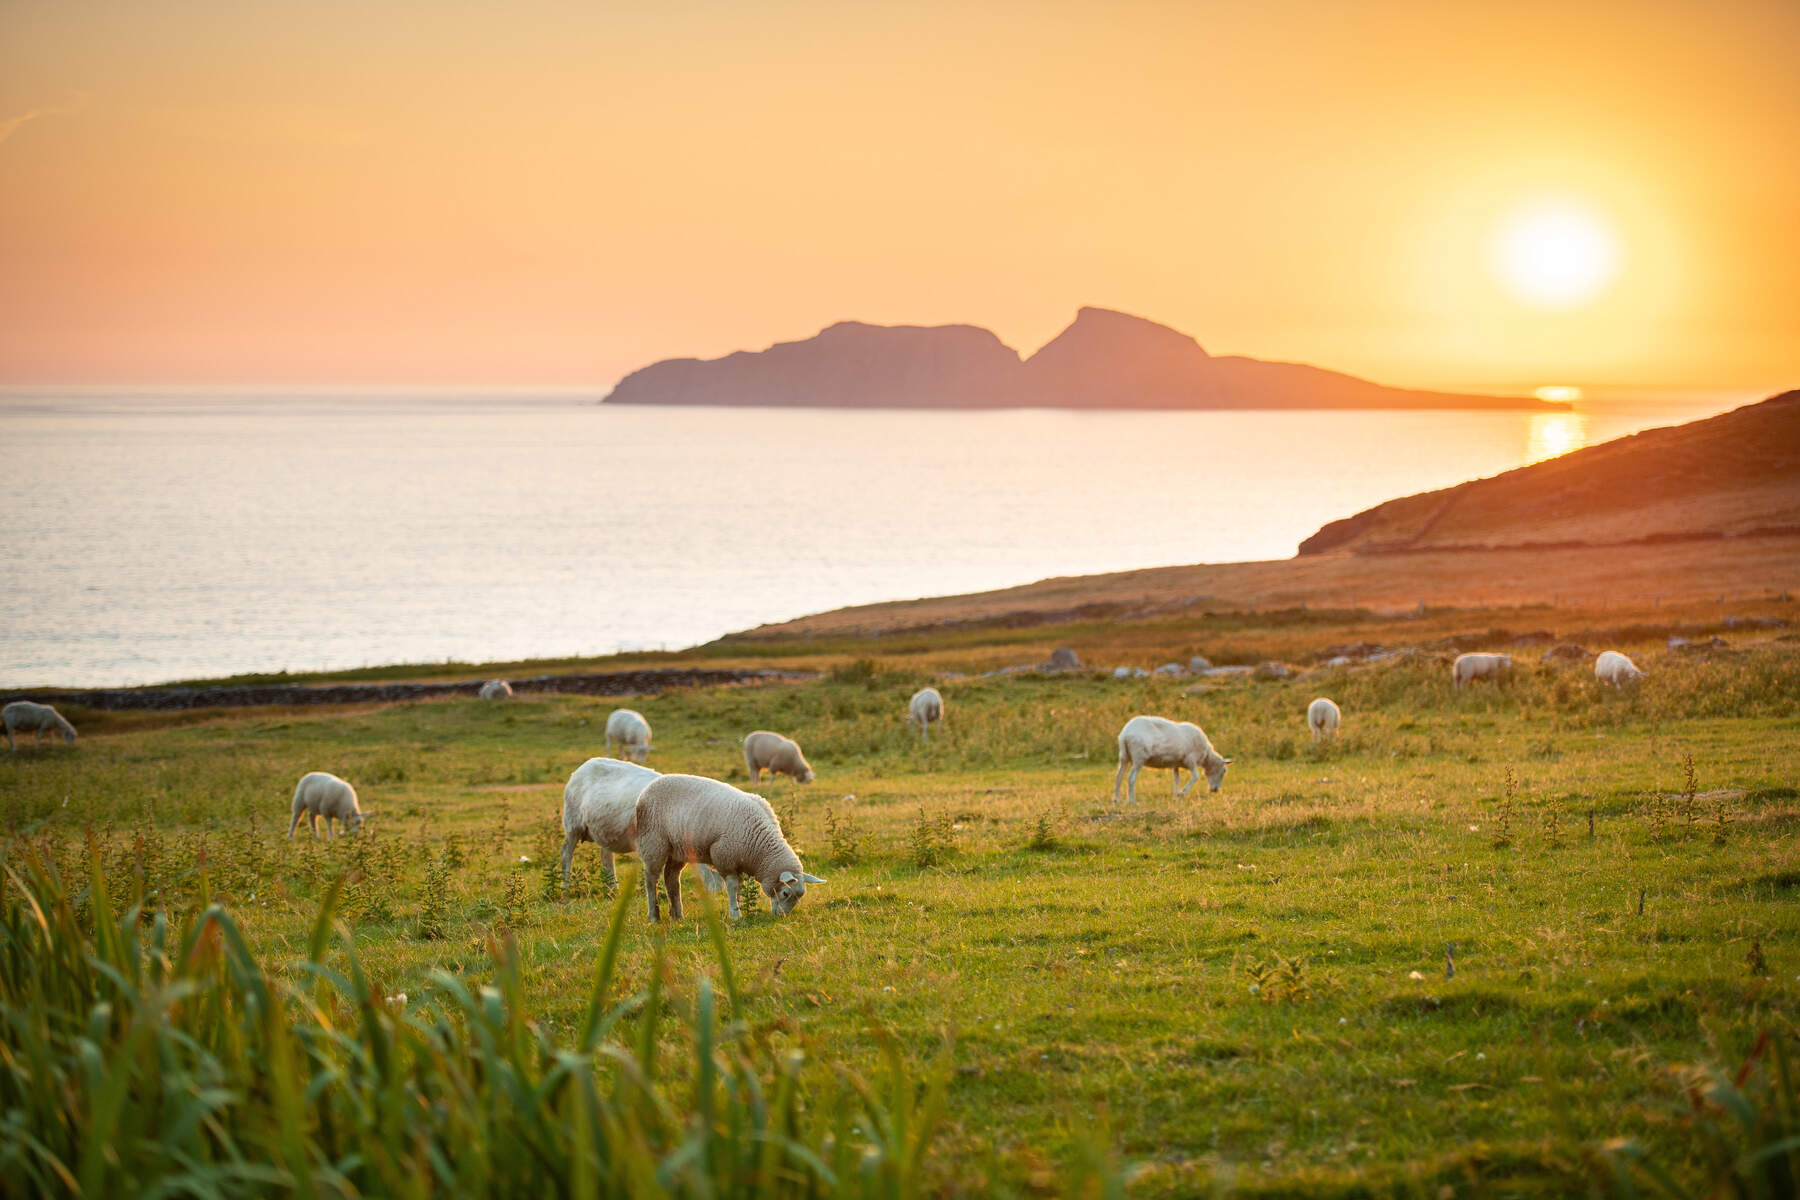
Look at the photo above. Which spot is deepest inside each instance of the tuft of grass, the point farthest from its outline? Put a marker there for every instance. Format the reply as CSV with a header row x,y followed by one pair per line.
x,y
183,1064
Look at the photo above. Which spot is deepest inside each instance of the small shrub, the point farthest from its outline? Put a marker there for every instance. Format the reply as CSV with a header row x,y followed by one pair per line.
x,y
932,840
849,844
1503,838
512,904
1043,835
435,909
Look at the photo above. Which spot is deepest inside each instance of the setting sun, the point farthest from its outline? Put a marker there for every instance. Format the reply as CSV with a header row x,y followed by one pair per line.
x,y
1555,254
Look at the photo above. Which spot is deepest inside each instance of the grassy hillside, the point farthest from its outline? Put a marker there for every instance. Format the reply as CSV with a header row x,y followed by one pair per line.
x,y
1245,991
1731,474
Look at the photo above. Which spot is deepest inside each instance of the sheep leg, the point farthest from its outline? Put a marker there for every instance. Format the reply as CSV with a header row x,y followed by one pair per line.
x,y
1118,779
9,741
652,869
295,823
711,879
672,885
1131,781
571,839
606,861
312,823
1194,777
330,827
731,893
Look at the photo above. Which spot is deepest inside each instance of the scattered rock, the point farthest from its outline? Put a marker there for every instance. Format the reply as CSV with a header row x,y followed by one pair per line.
x,y
1340,660
1712,643
1228,670
1199,663
1170,670
1063,659
1352,650
1272,670
1756,622
1568,650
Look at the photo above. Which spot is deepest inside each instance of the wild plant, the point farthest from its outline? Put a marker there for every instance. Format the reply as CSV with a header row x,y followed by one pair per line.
x,y
549,868
434,908
1553,827
1503,835
513,911
1043,835
849,844
932,840
1690,808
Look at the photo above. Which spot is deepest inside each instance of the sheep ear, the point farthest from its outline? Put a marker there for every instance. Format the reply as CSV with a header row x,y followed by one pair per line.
x,y
787,877
1229,761
805,878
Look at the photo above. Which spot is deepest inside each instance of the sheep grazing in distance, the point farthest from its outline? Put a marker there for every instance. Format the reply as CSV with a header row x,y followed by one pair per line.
x,y
24,716
495,689
685,819
322,794
1155,742
1616,669
1322,718
627,727
925,707
1469,667
765,751
600,806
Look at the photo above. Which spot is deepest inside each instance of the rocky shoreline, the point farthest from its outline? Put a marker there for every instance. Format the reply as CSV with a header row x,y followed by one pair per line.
x,y
613,683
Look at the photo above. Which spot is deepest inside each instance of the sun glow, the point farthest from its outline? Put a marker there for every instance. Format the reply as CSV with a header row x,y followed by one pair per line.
x,y
1555,433
1555,254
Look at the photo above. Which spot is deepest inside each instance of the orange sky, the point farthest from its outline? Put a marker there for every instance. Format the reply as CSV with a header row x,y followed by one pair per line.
x,y
541,193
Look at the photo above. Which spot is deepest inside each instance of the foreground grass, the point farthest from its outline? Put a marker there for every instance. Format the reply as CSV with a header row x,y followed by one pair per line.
x,y
1255,988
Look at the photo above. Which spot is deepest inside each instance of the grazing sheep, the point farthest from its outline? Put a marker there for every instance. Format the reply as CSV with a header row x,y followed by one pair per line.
x,y
600,806
1155,742
627,727
38,719
1616,669
495,689
685,819
925,707
778,755
1322,718
322,794
1469,667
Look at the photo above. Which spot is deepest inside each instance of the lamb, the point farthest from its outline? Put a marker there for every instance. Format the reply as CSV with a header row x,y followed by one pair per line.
x,y
38,719
600,806
1616,669
1470,667
1155,742
1322,717
495,689
925,707
322,794
686,818
778,755
627,727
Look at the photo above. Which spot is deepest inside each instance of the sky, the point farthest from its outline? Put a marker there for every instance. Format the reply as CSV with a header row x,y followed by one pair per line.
x,y
1431,194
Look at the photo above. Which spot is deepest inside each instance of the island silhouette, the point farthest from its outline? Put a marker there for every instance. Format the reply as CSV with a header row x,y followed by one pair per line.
x,y
1103,360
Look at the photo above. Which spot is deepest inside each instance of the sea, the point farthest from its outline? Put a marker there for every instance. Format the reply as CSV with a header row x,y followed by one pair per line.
x,y
154,536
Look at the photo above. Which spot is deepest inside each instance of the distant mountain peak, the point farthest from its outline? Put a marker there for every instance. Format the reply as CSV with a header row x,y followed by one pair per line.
x,y
1104,359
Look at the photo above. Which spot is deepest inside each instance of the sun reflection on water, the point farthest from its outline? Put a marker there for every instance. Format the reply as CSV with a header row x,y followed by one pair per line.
x,y
1555,433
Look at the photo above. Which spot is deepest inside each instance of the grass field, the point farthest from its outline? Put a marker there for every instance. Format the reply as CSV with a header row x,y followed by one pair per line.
x,y
1480,939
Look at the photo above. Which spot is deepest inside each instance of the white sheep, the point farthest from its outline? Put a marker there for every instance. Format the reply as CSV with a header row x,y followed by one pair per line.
x,y
23,716
925,707
627,727
600,806
495,689
1155,742
322,794
685,819
1469,667
777,755
1322,718
1616,669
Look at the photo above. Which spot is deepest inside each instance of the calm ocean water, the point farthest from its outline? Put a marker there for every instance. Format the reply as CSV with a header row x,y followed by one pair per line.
x,y
154,538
